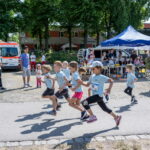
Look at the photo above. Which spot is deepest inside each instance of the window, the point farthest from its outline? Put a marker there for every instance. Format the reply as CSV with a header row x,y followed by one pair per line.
x,y
61,34
9,51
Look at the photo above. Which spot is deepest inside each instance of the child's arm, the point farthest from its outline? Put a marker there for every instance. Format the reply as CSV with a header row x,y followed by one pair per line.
x,y
53,86
86,84
110,86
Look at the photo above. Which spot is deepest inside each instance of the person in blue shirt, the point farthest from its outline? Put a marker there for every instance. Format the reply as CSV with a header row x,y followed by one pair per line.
x,y
97,81
66,70
131,79
25,65
63,83
77,89
49,92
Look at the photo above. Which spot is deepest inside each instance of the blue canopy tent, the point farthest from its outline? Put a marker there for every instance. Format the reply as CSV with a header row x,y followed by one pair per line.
x,y
129,38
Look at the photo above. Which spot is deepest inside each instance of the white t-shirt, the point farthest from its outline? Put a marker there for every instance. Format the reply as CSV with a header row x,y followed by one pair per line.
x,y
43,58
33,58
38,73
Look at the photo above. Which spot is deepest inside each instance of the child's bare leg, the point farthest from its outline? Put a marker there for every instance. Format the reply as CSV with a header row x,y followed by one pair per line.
x,y
71,103
90,112
113,115
54,101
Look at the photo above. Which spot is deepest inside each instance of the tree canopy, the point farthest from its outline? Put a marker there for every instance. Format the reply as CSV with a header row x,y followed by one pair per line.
x,y
94,17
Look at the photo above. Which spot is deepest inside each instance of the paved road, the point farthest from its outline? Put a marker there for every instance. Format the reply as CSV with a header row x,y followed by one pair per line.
x,y
24,115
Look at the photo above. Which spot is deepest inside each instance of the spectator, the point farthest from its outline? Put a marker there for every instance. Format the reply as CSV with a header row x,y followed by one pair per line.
x,y
33,62
43,59
25,64
133,56
1,85
145,55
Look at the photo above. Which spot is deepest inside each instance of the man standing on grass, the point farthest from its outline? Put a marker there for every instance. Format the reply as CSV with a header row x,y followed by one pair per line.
x,y
25,64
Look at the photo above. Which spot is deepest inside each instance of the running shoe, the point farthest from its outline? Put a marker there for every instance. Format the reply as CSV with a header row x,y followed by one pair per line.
x,y
83,114
29,85
85,118
91,119
117,120
53,112
132,99
2,88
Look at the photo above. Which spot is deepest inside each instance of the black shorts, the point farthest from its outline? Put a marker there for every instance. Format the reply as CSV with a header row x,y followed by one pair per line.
x,y
48,92
64,93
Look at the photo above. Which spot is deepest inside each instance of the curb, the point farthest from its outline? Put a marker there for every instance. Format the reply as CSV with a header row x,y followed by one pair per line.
x,y
54,142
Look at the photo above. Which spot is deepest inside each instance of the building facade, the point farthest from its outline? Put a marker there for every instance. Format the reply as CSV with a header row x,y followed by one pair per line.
x,y
57,39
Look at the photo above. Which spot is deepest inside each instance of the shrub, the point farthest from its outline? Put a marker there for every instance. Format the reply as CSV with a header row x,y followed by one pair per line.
x,y
148,62
52,56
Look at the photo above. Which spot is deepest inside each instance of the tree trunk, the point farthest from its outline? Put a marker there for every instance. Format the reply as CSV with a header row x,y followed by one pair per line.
x,y
40,39
97,38
46,35
70,37
85,36
6,37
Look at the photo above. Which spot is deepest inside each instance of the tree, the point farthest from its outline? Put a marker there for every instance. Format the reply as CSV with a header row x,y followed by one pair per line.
x,y
39,15
66,18
8,18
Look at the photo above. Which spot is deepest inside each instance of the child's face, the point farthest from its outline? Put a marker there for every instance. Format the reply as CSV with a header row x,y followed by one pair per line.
x,y
44,70
128,70
39,67
96,70
65,65
57,68
72,69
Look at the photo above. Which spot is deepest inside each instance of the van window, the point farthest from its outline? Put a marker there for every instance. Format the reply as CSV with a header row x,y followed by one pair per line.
x,y
9,51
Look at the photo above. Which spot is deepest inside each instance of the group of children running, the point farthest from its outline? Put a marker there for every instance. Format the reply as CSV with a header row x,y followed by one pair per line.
x,y
68,76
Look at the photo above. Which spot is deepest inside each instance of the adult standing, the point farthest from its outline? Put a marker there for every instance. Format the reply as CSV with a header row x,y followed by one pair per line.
x,y
25,64
33,61
133,56
1,85
43,59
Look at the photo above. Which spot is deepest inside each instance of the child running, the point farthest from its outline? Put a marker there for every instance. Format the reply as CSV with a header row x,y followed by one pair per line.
x,y
63,86
66,70
97,81
131,79
49,92
77,89
38,75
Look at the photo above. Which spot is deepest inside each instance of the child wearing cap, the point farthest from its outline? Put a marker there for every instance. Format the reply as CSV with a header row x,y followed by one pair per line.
x,y
131,78
38,75
97,81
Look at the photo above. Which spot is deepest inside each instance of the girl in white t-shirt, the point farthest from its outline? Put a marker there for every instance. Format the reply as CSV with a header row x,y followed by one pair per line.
x,y
38,75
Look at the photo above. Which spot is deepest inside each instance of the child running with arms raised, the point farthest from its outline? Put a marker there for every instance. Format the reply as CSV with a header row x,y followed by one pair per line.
x,y
50,83
97,81
131,79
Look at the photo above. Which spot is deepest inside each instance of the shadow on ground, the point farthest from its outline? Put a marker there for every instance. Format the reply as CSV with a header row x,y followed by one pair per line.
x,y
147,94
125,108
78,144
